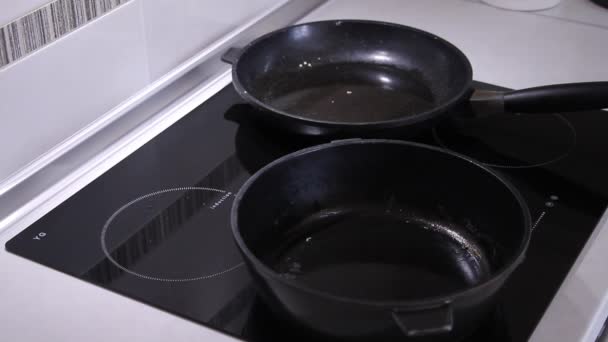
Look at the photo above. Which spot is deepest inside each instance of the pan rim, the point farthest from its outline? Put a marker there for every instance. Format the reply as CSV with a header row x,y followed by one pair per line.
x,y
436,111
447,298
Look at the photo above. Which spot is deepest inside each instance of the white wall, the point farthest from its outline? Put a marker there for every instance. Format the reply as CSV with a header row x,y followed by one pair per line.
x,y
177,29
13,9
52,93
57,90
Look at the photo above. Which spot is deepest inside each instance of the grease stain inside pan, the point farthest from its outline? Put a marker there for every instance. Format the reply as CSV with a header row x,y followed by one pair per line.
x,y
369,253
347,92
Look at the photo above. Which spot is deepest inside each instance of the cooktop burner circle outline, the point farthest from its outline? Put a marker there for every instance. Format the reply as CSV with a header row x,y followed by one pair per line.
x,y
104,230
563,155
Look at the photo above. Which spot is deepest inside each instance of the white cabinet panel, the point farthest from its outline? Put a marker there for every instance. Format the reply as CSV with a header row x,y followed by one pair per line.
x,y
176,29
59,89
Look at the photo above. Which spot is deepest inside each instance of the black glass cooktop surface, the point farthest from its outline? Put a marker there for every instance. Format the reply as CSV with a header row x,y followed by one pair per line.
x,y
155,227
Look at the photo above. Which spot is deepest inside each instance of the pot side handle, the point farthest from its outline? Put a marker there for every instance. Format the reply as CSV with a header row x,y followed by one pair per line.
x,y
232,55
424,322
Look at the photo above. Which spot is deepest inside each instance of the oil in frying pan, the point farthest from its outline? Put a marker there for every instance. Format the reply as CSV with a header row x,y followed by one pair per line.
x,y
371,254
347,92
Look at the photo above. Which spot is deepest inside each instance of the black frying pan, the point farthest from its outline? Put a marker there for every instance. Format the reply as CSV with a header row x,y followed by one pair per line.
x,y
353,77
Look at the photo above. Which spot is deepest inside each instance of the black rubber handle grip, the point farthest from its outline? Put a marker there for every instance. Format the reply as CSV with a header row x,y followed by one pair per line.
x,y
570,97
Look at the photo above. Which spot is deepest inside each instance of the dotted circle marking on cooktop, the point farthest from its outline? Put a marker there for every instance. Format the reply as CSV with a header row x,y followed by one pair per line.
x,y
567,126
138,199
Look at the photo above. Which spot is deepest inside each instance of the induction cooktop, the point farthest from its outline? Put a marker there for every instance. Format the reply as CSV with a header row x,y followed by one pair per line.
x,y
155,227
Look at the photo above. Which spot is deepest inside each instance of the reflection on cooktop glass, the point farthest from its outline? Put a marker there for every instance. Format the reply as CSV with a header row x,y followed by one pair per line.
x,y
155,227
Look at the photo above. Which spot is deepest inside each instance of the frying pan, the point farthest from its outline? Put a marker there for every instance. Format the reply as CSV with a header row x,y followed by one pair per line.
x,y
359,78
380,239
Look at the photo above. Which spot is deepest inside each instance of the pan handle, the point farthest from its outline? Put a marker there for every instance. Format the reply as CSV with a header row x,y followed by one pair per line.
x,y
570,97
424,322
232,55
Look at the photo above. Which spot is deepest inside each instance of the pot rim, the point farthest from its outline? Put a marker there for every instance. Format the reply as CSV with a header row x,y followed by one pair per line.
x,y
458,97
498,276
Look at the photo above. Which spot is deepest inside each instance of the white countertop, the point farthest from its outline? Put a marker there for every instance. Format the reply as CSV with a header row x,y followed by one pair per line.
x,y
512,49
565,44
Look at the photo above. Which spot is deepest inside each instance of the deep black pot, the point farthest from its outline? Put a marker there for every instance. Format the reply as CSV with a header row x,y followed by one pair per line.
x,y
470,201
